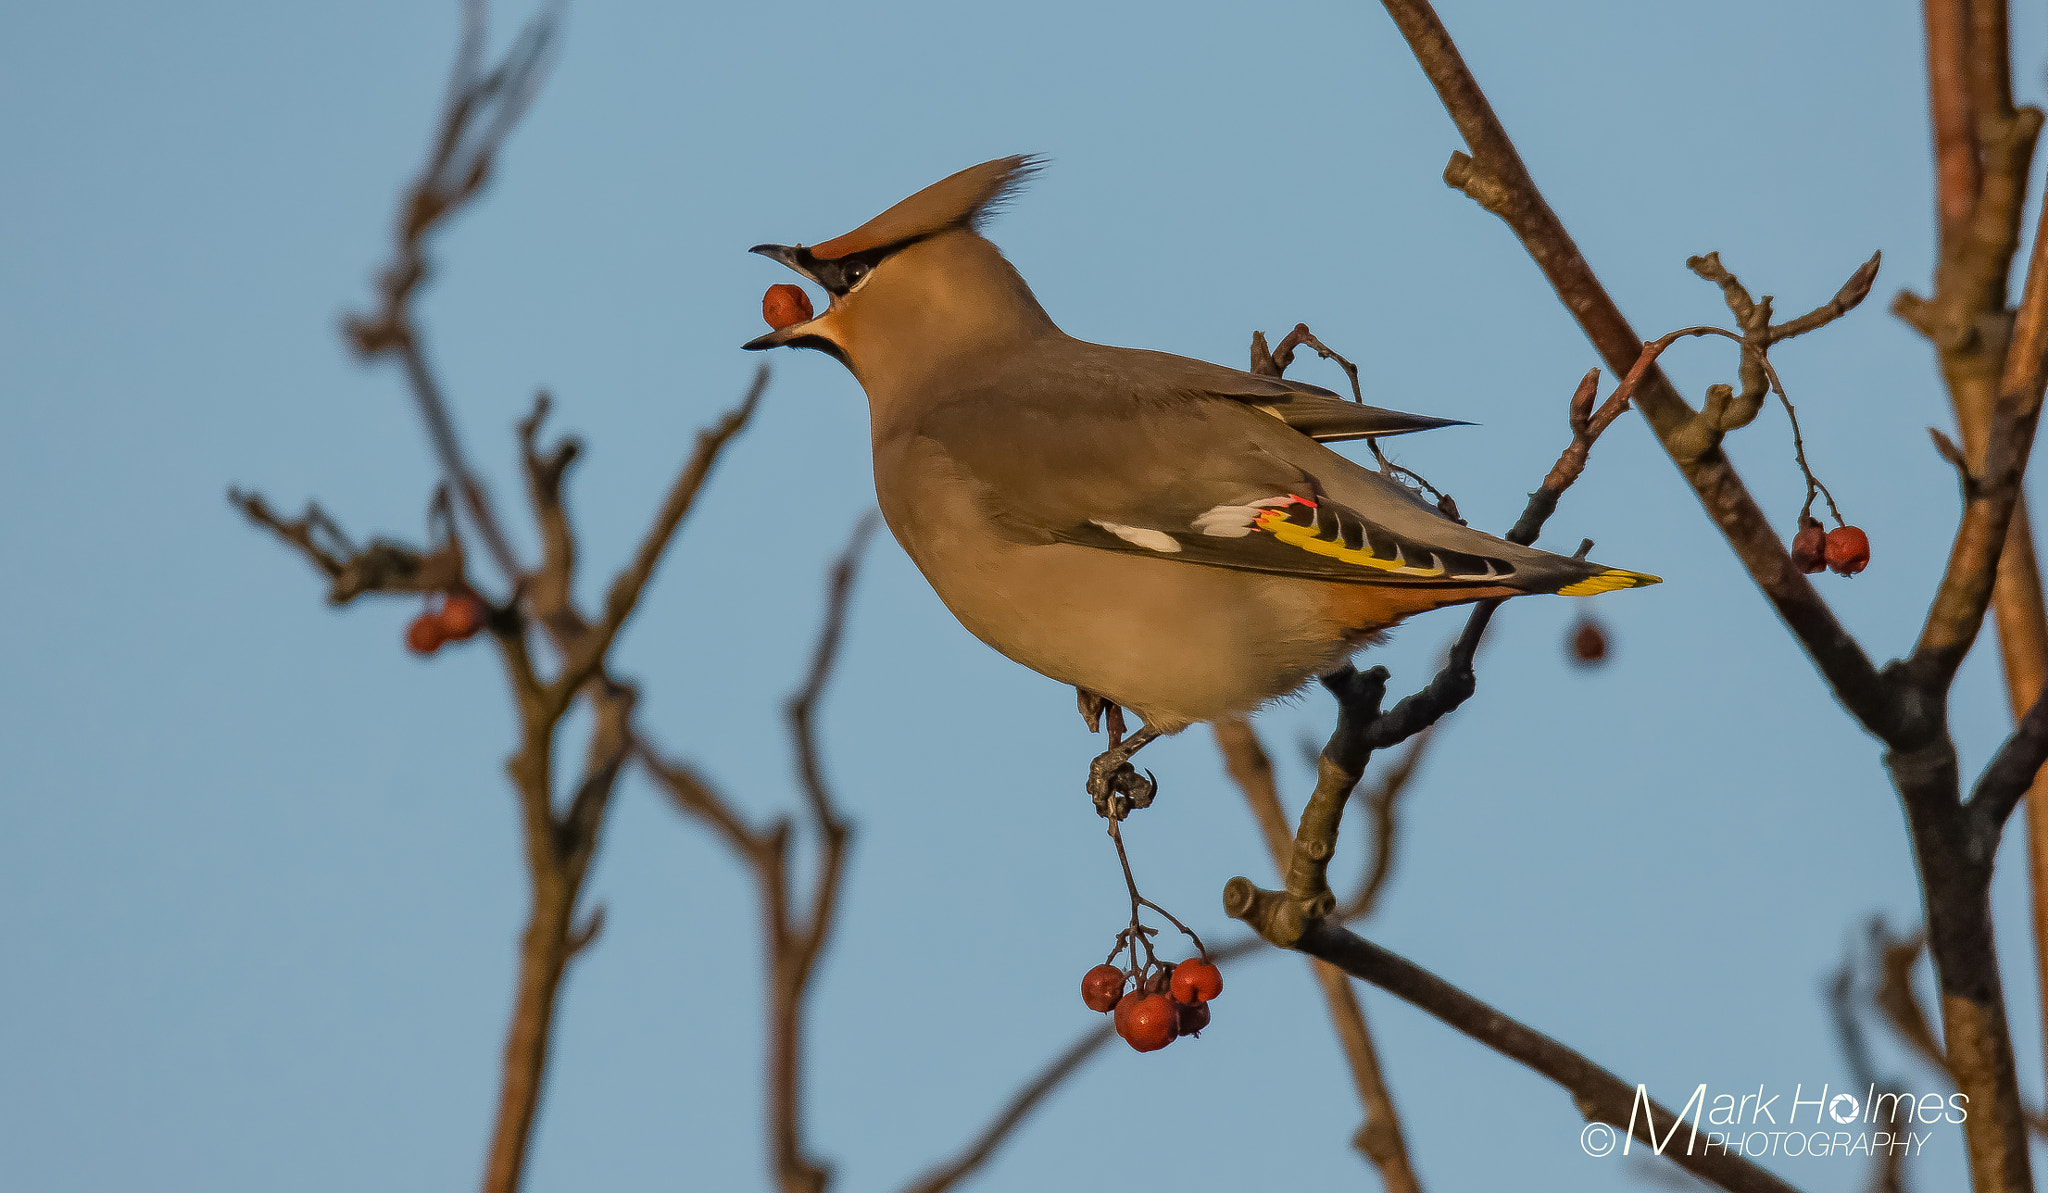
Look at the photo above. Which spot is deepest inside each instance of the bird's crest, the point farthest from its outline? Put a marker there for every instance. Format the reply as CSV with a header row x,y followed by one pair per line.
x,y
965,198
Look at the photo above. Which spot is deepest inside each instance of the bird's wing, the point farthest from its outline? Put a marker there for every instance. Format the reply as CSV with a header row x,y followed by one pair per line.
x,y
1211,482
1312,410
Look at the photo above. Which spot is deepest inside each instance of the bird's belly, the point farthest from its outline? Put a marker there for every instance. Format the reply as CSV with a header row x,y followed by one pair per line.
x,y
1175,643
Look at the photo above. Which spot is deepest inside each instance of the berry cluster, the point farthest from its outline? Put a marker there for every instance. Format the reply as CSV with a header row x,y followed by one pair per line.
x,y
460,616
1844,550
1165,1001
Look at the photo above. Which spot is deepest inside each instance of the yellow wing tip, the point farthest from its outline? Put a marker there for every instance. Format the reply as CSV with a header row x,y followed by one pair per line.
x,y
1608,581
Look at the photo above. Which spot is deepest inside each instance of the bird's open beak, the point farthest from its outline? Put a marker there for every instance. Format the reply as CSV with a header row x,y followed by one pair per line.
x,y
795,258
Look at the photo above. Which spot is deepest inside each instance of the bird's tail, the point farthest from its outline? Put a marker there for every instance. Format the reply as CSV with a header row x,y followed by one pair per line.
x,y
1607,580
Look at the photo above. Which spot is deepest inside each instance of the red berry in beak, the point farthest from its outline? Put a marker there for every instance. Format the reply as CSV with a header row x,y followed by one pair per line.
x,y
785,305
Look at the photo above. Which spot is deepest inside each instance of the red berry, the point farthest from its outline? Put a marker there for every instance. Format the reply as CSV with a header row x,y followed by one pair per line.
x,y
1848,550
1102,987
425,635
1196,982
1810,548
1589,643
1149,1023
1194,1016
785,305
462,616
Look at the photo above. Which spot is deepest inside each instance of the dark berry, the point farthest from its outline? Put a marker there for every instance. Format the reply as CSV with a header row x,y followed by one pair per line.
x,y
1810,548
1589,643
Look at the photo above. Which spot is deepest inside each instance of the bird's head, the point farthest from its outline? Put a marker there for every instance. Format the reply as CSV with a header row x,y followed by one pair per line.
x,y
917,285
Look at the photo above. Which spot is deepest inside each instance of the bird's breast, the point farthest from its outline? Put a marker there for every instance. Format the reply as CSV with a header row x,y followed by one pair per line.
x,y
1173,642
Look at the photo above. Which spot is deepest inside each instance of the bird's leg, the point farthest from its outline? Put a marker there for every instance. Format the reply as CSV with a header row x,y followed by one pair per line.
x,y
1091,708
1094,708
1115,784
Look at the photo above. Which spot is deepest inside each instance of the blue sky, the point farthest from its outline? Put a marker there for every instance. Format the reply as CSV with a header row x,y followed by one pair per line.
x,y
262,865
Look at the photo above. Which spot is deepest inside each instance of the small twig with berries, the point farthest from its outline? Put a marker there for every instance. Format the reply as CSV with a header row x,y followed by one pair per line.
x,y
1160,1025
1846,549
1166,999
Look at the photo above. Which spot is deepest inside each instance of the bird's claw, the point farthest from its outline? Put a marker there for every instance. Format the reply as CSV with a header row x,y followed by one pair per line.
x,y
1117,787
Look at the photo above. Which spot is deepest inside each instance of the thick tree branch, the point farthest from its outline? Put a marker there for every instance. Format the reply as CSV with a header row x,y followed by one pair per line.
x,y
1909,717
1957,172
1379,1138
559,851
1496,177
1599,1094
1957,613
2010,774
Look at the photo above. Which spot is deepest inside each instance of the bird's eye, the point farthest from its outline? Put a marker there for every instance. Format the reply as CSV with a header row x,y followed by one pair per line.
x,y
855,271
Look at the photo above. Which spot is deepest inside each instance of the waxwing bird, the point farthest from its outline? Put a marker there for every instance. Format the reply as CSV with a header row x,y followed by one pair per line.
x,y
1163,533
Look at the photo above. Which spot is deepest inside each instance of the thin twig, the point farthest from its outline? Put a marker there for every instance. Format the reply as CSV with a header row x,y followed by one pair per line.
x,y
1020,1105
793,943
589,653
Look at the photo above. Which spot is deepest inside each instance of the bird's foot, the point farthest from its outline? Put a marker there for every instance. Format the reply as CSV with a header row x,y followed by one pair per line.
x,y
1115,785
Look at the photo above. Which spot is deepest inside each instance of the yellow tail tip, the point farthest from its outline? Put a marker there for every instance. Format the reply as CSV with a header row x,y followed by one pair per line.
x,y
1608,581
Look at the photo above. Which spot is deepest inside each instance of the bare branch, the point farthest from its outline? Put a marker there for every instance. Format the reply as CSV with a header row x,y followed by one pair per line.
x,y
588,654
1921,759
551,588
1966,587
478,115
792,946
1495,176
1380,1137
1599,1094
313,532
1852,293
1014,1112
1956,170
2010,774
